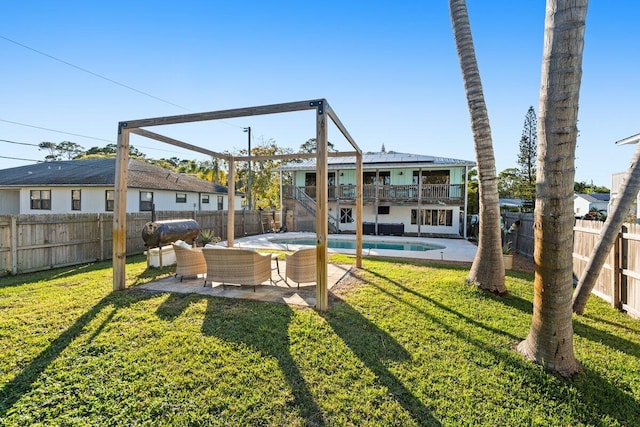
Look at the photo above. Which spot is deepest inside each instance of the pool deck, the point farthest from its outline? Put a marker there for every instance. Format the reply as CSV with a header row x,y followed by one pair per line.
x,y
277,290
454,249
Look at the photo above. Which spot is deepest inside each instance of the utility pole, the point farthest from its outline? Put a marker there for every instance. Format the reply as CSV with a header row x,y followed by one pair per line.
x,y
248,130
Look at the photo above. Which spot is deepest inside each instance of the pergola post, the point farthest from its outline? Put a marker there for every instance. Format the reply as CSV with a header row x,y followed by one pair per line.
x,y
120,209
323,110
359,210
231,208
322,228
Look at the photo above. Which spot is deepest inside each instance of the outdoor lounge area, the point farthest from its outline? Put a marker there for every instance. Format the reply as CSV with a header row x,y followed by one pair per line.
x,y
273,289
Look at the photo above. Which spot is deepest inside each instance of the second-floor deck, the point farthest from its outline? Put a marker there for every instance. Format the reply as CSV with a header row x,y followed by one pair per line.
x,y
447,193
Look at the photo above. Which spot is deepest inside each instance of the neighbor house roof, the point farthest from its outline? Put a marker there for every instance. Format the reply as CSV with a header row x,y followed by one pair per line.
x,y
594,197
101,172
388,159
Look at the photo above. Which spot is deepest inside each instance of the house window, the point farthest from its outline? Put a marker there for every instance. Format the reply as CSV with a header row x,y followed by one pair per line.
x,y
41,199
75,200
346,215
181,197
383,210
146,201
384,177
432,177
435,217
110,196
368,177
205,199
220,203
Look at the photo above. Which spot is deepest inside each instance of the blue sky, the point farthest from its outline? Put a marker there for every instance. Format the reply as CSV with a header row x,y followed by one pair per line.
x,y
389,70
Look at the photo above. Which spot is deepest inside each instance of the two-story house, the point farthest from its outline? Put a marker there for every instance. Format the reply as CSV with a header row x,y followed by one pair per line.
x,y
87,186
403,193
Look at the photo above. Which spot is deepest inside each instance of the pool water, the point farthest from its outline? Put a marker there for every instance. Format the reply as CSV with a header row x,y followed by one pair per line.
x,y
351,244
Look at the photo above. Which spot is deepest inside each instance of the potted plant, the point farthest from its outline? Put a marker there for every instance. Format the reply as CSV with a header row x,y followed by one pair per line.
x,y
507,256
207,236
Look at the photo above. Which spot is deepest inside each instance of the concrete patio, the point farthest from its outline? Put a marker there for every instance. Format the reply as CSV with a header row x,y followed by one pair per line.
x,y
279,291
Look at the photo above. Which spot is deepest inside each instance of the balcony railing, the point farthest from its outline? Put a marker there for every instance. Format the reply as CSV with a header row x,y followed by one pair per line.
x,y
390,193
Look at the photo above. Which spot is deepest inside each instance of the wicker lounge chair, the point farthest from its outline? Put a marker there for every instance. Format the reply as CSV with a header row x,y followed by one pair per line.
x,y
236,266
301,266
190,261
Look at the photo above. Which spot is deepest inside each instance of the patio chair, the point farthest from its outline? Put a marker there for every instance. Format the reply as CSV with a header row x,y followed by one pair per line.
x,y
190,261
301,266
237,266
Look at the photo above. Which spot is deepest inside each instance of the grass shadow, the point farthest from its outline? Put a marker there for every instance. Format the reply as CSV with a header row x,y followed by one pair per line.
x,y
267,331
441,306
583,329
596,393
373,346
22,383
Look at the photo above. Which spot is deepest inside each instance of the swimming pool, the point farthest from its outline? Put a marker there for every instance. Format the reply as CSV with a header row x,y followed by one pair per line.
x,y
351,244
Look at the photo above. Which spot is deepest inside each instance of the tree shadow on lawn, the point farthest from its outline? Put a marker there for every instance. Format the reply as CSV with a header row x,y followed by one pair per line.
x,y
599,397
581,328
597,392
265,328
22,383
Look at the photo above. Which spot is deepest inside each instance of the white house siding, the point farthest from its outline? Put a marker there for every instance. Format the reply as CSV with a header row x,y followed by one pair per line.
x,y
580,206
9,202
93,200
397,215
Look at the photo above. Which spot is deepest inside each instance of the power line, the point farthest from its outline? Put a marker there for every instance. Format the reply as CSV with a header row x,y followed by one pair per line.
x,y
54,130
94,74
17,158
20,143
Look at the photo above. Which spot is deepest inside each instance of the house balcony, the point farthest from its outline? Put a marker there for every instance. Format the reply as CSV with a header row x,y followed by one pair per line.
x,y
399,194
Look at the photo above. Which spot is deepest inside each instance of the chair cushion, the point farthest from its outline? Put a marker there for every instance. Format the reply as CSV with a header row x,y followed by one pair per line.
x,y
182,244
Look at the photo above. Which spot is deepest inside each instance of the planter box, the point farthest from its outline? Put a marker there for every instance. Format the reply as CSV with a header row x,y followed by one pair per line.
x,y
157,259
507,260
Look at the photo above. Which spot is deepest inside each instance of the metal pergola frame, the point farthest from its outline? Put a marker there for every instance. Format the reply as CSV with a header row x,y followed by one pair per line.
x,y
323,110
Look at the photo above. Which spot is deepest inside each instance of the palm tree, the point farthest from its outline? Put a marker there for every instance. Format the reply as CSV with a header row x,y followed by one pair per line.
x,y
628,191
487,270
550,338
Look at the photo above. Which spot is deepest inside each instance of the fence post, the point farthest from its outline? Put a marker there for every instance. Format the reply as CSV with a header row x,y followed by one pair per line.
x,y
619,294
101,237
13,238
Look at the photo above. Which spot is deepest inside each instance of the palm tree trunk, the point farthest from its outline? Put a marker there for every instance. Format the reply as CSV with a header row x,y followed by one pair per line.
x,y
627,194
487,270
550,339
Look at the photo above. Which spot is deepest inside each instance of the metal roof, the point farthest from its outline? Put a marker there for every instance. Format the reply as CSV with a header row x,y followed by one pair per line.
x,y
388,159
101,172
633,139
594,197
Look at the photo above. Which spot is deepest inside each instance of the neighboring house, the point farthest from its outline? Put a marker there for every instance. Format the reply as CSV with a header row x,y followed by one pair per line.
x,y
585,203
618,178
87,186
402,194
511,203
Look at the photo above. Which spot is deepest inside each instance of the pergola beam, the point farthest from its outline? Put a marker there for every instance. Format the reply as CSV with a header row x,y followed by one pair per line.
x,y
334,118
222,114
178,143
293,156
321,155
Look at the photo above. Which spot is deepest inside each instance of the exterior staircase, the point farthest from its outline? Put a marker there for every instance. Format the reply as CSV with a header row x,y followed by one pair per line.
x,y
310,205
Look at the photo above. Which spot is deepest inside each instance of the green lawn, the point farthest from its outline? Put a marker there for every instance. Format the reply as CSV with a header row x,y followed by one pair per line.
x,y
412,346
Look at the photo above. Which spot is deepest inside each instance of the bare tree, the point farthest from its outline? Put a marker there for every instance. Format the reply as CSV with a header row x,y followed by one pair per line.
x,y
487,270
550,339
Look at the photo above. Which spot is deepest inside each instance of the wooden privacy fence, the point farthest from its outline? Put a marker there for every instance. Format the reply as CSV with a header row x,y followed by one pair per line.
x,y
619,279
40,242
